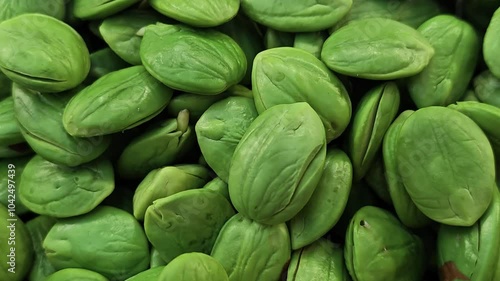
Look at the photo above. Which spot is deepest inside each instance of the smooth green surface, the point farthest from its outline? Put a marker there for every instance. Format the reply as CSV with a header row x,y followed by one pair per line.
x,y
192,60
195,104
218,185
147,275
226,131
320,261
166,181
199,13
327,203
487,88
98,9
471,252
163,144
491,44
65,191
278,163
312,42
9,132
240,91
118,101
287,75
372,117
38,229
221,128
75,274
193,267
121,32
296,15
252,251
406,210
53,8
108,235
188,221
378,247
18,250
377,49
496,275
409,12
19,163
156,260
486,116
447,165
48,137
42,53
446,77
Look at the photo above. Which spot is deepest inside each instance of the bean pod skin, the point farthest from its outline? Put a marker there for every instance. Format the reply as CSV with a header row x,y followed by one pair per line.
x,y
278,163
38,229
63,59
471,252
322,260
486,116
252,251
327,203
120,100
204,62
75,273
66,243
374,114
221,128
198,13
377,49
407,212
287,75
378,247
204,213
491,44
23,249
447,165
446,77
296,15
250,140
48,137
193,266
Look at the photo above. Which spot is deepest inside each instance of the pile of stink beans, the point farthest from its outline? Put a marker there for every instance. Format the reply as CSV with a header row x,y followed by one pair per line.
x,y
249,140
